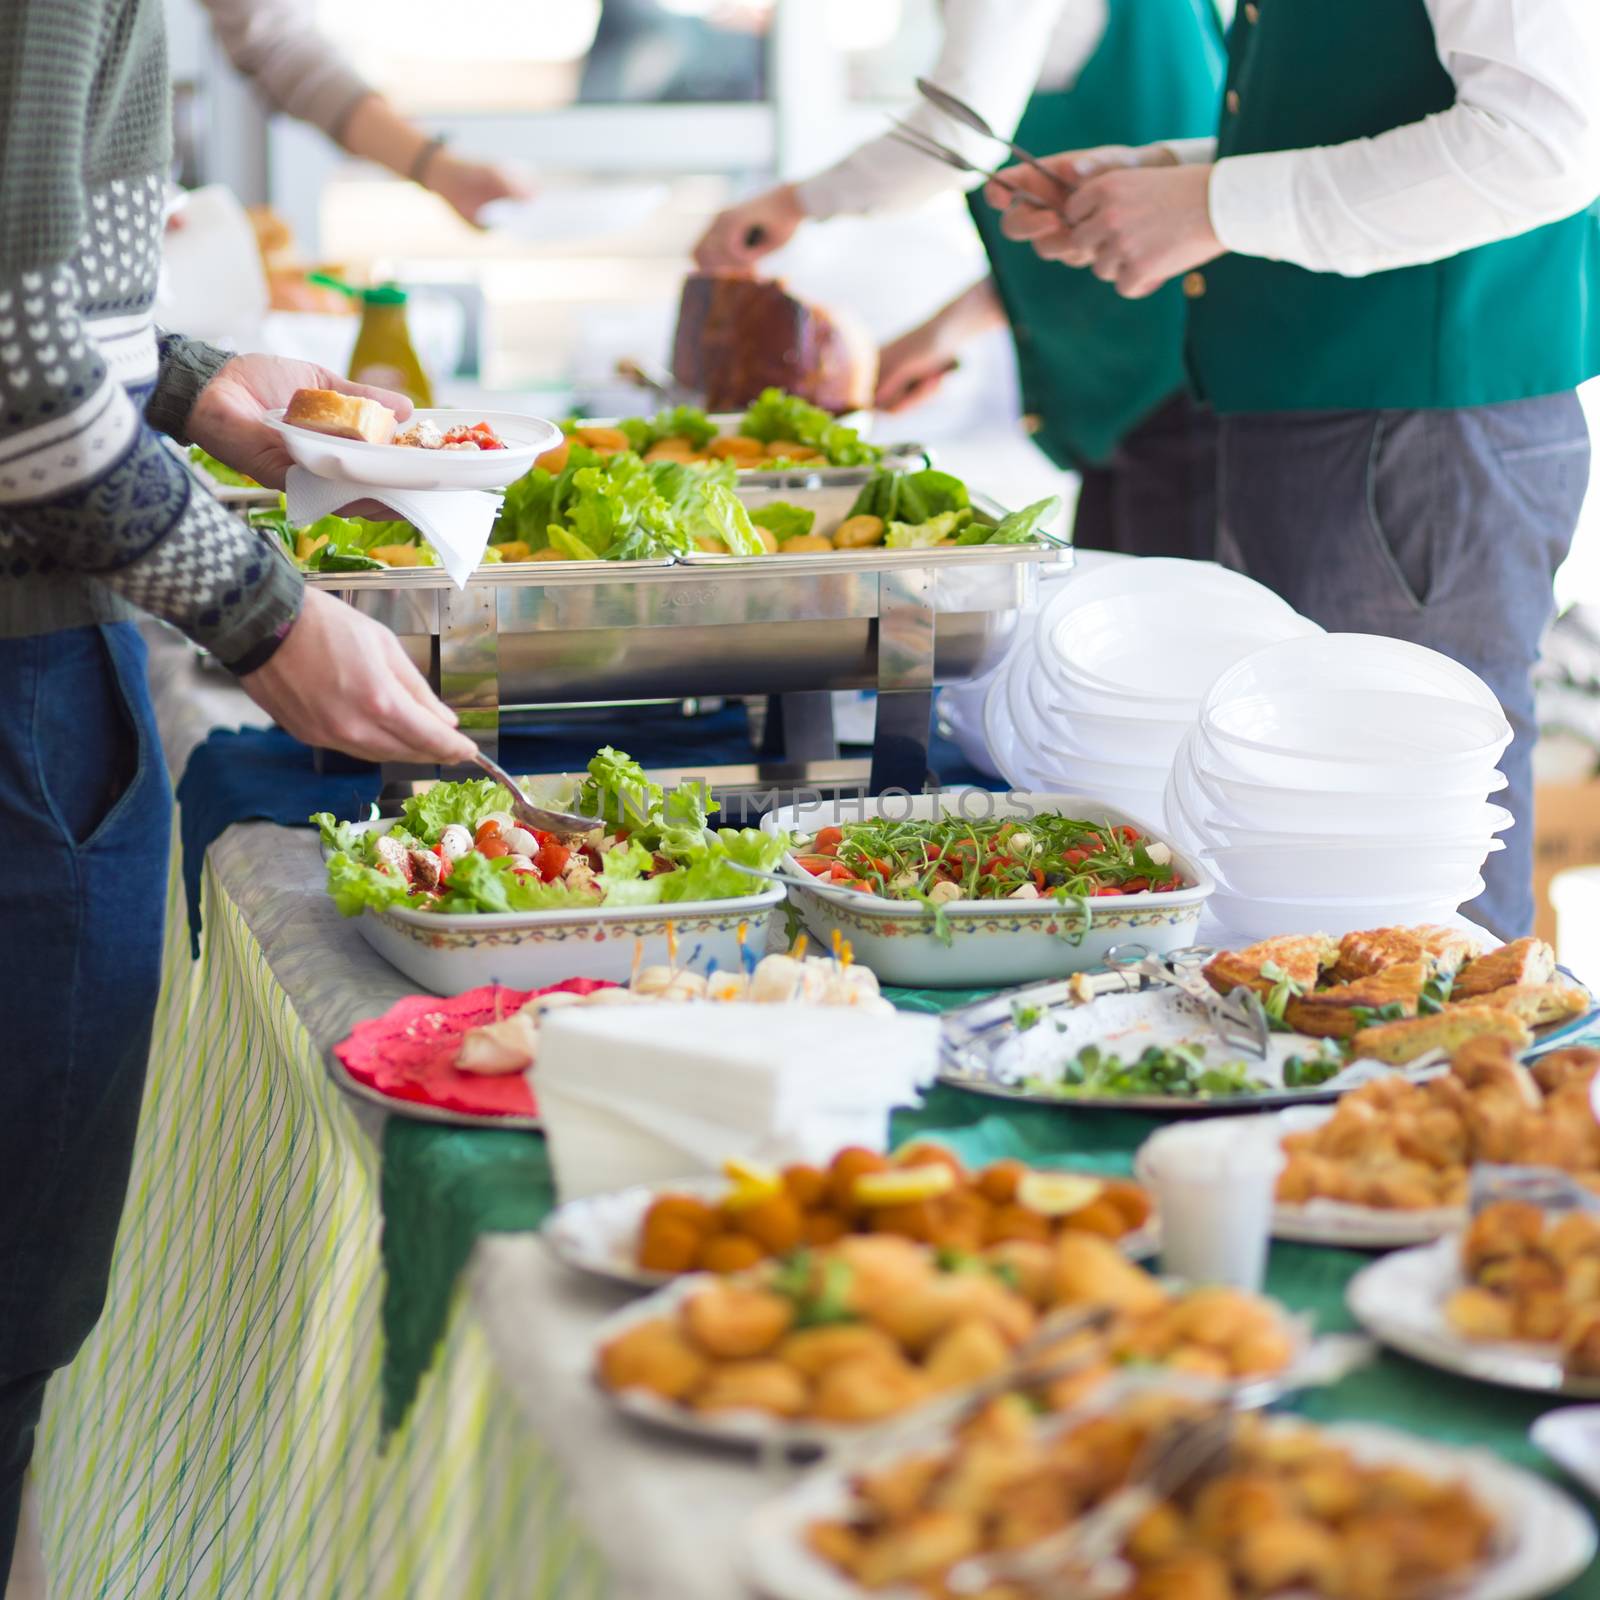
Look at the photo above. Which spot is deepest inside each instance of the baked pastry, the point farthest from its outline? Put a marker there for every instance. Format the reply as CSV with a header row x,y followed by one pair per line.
x,y
344,416
1443,950
1522,961
1299,957
1538,1004
738,336
1400,1042
1332,1013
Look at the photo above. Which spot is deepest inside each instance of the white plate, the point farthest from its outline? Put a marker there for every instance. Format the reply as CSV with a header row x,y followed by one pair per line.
x,y
1571,1437
1549,1538
782,1436
1400,1299
599,1235
992,942
390,466
534,949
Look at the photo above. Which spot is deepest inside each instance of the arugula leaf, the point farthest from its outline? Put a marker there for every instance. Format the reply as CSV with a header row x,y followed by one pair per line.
x,y
784,521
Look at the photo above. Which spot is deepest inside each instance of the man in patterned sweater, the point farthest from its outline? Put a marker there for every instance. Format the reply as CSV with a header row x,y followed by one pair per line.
x,y
100,523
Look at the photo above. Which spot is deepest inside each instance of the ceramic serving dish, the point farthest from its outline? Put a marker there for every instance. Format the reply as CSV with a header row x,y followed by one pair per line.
x,y
535,949
987,942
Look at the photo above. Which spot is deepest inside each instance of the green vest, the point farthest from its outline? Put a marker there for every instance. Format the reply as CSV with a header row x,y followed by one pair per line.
x,y
1092,364
1504,322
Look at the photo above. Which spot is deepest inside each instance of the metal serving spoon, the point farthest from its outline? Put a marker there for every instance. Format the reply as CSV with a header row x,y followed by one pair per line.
x,y
536,816
960,111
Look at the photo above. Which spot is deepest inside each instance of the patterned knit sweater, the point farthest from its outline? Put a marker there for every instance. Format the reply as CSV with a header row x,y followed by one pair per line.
x,y
98,519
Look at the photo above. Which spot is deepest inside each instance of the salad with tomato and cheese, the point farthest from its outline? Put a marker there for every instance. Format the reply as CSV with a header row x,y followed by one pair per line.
x,y
1044,857
456,848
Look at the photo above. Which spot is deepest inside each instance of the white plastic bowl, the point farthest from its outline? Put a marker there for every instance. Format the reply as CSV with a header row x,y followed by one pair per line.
x,y
1413,870
1250,917
1338,725
1088,776
1162,646
388,466
1495,819
1131,741
1227,758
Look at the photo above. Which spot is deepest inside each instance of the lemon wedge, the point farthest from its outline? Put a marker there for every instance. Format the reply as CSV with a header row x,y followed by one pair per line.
x,y
904,1186
753,1184
1057,1194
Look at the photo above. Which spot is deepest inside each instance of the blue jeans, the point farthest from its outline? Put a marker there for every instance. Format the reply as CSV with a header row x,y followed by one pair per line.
x,y
1441,527
85,819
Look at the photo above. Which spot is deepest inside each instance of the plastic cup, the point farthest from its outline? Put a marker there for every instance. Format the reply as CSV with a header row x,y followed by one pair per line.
x,y
1214,1184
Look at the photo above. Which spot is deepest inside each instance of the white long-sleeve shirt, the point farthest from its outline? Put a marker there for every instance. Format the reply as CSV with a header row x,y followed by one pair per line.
x,y
995,52
1520,148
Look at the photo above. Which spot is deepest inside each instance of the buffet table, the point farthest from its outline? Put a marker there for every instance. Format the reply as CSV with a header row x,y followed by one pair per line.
x,y
220,1433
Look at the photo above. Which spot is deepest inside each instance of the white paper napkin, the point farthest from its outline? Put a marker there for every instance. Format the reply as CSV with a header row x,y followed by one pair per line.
x,y
456,522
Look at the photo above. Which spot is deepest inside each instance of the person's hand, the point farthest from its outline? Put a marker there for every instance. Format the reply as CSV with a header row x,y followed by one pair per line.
x,y
1134,225
468,186
226,420
912,367
342,681
741,235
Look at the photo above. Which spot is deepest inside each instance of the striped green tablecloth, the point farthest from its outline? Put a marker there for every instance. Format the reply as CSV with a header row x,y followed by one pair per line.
x,y
218,1436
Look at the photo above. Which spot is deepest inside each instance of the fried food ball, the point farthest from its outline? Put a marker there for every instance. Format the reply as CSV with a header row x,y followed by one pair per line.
x,y
1195,1575
555,459
1089,1271
914,1220
998,1181
916,1317
727,1253
1542,1315
1262,1353
1101,1217
960,1221
806,544
1018,1222
607,441
858,533
1573,1235
672,449
1507,1228
752,1386
965,1354
1131,1199
1477,1313
836,1543
685,1208
1290,1553
882,1266
1071,1389
848,1165
811,1351
867,1388
736,447
1198,1362
1227,1508
730,1320
1027,1266
652,1355
896,1491
823,1227
774,1224
669,1245
1156,1536
807,1186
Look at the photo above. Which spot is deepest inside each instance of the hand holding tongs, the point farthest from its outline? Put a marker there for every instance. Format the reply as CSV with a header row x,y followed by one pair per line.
x,y
925,144
959,111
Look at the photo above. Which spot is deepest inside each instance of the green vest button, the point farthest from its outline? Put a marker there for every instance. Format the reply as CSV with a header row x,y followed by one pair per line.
x,y
1252,14
1232,102
1194,285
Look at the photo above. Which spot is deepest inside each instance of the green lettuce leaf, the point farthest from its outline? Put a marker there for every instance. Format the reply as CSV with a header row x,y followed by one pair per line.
x,y
776,415
230,477
924,535
1021,526
428,814
569,544
783,520
704,873
617,789
684,422
721,515
355,887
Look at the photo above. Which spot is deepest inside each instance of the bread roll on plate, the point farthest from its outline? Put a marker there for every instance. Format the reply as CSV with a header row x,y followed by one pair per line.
x,y
344,416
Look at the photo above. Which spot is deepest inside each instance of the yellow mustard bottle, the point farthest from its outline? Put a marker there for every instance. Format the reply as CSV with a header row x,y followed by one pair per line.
x,y
384,354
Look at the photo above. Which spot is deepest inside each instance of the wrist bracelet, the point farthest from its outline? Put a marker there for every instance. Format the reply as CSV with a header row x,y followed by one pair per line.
x,y
419,163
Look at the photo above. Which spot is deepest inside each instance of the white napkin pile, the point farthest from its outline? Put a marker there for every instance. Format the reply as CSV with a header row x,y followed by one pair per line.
x,y
671,1091
456,522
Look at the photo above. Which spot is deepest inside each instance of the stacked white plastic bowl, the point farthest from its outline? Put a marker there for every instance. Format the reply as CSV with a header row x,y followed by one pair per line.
x,y
1341,781
1100,698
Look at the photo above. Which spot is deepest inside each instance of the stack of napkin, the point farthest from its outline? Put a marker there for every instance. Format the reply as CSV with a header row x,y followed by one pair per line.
x,y
655,1093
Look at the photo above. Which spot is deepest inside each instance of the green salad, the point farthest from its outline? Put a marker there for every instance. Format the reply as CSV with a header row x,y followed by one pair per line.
x,y
220,471
349,544
1178,1071
456,848
922,510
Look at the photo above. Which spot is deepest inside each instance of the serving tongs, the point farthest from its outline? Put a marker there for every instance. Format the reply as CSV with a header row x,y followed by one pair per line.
x,y
1239,1024
959,111
536,816
936,150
